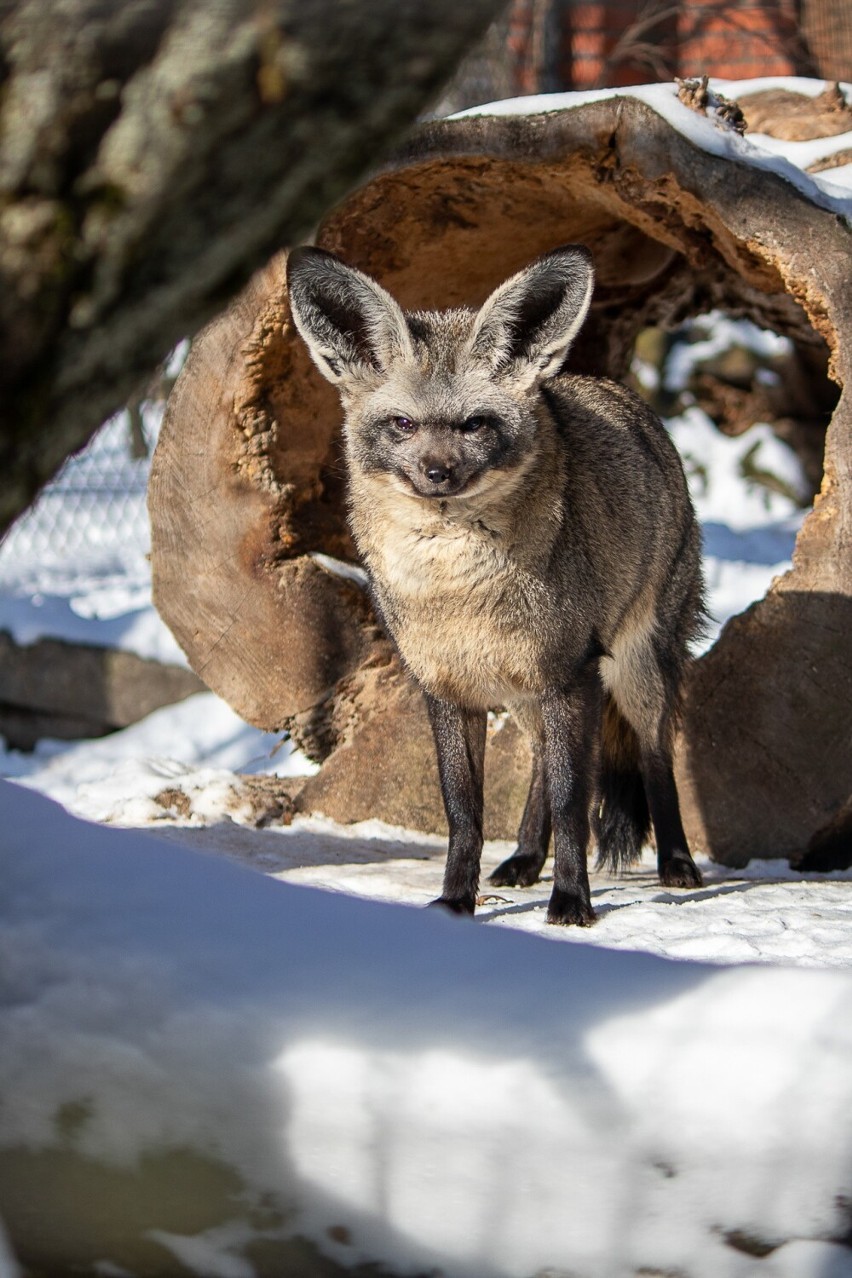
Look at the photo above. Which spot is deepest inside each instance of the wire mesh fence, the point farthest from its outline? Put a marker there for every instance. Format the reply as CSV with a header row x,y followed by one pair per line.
x,y
95,500
93,516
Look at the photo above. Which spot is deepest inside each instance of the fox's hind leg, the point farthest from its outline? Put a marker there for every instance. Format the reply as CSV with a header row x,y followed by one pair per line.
x,y
675,865
524,866
645,684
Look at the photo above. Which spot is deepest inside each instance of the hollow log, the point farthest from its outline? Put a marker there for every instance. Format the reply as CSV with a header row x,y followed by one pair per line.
x,y
247,496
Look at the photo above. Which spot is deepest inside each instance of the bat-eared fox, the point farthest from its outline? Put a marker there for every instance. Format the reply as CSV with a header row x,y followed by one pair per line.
x,y
530,544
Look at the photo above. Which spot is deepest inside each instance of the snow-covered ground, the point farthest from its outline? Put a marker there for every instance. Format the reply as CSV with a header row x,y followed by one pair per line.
x,y
99,591
77,567
202,1058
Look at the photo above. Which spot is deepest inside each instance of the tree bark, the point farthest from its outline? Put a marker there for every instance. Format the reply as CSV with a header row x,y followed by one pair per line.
x,y
154,153
246,491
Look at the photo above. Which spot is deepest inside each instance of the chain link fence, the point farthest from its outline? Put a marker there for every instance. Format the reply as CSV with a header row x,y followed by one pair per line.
x,y
93,516
96,500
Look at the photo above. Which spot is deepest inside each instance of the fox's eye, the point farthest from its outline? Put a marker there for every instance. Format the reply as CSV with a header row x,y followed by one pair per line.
x,y
473,424
404,424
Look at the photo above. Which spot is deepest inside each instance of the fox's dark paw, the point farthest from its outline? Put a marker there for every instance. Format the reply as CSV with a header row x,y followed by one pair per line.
x,y
461,905
824,854
680,872
567,909
518,870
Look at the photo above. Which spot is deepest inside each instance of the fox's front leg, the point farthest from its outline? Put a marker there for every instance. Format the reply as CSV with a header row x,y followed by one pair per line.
x,y
460,743
571,721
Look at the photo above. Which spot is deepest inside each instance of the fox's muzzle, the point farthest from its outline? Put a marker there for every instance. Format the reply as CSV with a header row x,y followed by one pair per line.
x,y
439,478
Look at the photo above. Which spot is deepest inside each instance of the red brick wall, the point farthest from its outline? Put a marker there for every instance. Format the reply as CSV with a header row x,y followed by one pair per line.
x,y
557,44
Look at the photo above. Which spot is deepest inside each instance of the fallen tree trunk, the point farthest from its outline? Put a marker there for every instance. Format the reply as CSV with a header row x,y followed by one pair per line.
x,y
247,489
153,155
53,688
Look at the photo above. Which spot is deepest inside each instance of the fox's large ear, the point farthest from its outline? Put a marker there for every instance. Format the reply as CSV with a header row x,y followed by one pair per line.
x,y
351,326
528,323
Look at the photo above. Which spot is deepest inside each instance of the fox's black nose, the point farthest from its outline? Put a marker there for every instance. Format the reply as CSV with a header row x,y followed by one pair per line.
x,y
436,473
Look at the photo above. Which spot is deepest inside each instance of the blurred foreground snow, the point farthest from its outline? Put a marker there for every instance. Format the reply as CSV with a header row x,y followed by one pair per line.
x,y
226,1075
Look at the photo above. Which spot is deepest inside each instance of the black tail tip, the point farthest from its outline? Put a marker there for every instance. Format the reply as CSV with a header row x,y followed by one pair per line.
x,y
624,820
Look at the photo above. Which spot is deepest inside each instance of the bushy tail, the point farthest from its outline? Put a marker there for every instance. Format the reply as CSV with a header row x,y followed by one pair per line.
x,y
623,822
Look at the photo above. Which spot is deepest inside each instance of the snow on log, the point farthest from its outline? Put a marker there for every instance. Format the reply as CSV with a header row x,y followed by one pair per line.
x,y
205,1071
682,214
